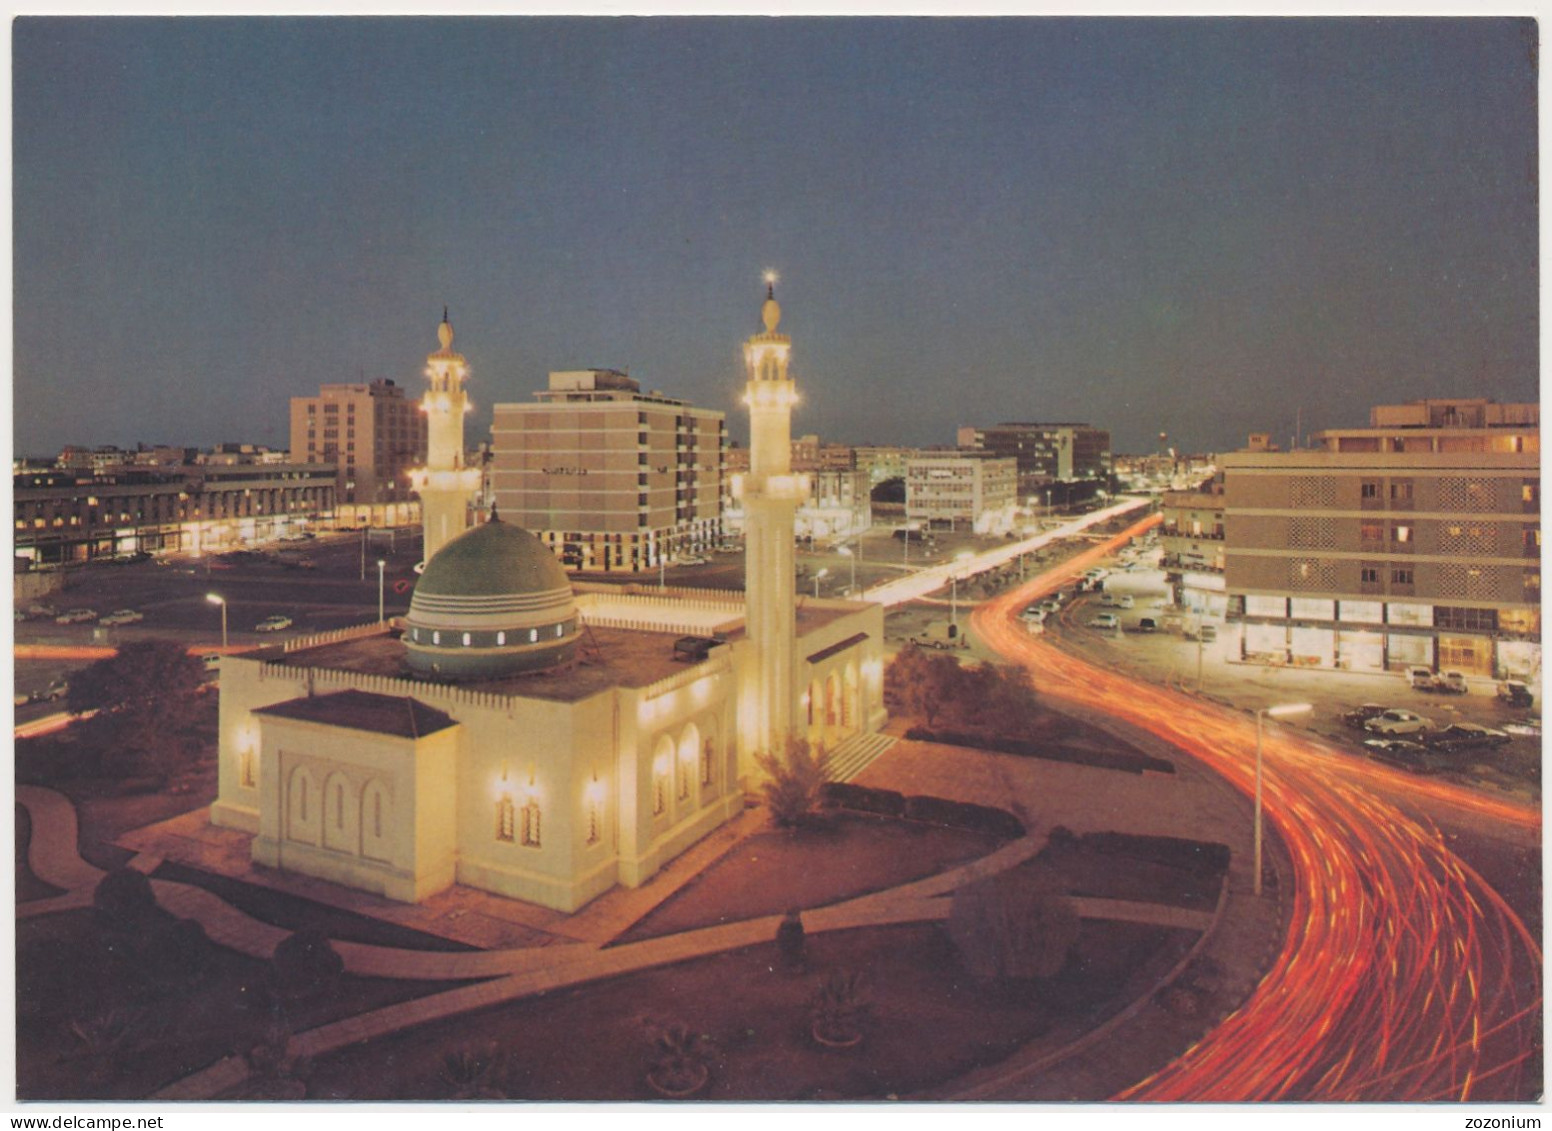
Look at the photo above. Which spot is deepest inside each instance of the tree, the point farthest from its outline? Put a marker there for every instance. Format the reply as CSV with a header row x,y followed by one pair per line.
x,y
1012,928
992,697
123,900
793,781
145,702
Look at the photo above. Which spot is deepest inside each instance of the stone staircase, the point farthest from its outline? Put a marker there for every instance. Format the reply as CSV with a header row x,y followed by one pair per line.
x,y
856,754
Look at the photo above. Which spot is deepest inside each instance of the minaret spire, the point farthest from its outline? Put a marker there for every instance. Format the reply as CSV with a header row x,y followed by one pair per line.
x,y
444,484
772,494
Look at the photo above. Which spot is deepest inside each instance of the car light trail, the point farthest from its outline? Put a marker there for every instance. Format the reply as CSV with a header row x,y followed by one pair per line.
x,y
1403,975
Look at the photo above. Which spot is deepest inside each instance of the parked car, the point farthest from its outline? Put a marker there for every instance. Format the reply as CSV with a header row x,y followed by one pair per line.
x,y
1104,620
212,661
941,634
1419,679
58,688
1396,721
1147,624
1513,693
1400,753
122,616
1032,615
1451,683
1117,601
76,616
1051,605
1360,715
273,624
1464,736
51,611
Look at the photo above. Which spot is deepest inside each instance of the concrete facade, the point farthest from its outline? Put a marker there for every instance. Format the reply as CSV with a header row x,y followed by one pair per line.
x,y
373,435
962,490
613,480
1394,546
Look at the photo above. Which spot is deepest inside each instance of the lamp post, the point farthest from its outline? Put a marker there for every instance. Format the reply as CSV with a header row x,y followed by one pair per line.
x,y
953,615
217,599
847,551
910,526
1278,712
817,576
381,564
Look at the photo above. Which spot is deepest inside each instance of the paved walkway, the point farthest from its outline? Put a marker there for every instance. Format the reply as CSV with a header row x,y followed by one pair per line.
x,y
508,974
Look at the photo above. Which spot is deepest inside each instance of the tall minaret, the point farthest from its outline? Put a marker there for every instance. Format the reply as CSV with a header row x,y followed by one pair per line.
x,y
445,484
772,495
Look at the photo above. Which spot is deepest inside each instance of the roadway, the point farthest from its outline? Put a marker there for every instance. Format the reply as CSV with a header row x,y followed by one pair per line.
x,y
1404,975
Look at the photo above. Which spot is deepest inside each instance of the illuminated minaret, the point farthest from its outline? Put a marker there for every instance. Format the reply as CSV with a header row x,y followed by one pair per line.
x,y
445,485
771,496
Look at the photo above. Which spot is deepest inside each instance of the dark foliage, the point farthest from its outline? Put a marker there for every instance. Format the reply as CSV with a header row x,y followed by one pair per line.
x,y
1201,858
863,799
964,815
1125,760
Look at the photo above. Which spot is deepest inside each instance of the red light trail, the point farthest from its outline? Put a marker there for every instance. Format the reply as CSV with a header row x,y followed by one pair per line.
x,y
1404,976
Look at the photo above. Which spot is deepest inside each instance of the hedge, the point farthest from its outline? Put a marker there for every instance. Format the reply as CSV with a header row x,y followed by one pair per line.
x,y
964,815
1131,762
1203,858
845,795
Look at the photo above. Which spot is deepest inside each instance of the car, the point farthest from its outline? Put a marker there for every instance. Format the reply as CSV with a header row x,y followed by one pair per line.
x,y
1511,693
1462,736
1396,721
58,688
690,560
1360,715
51,611
1051,605
1399,752
275,623
1117,601
212,661
1104,620
1451,683
1147,624
1032,615
122,616
76,616
1419,679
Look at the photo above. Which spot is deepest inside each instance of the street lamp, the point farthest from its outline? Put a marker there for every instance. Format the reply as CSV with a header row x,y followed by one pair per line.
x,y
817,576
846,551
1278,712
380,566
910,526
217,599
953,615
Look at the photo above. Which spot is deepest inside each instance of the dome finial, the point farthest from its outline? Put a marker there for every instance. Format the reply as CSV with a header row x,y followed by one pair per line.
x,y
445,331
770,313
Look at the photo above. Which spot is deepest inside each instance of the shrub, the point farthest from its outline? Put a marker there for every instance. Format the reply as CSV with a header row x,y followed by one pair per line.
x,y
863,799
793,782
1012,928
839,1008
123,899
676,1060
964,815
1201,858
306,966
469,1074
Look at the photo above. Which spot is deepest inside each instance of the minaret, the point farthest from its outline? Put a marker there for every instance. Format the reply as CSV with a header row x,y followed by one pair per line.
x,y
445,485
771,495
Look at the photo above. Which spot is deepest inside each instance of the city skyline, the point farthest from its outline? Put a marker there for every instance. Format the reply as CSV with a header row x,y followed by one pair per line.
x,y
1199,226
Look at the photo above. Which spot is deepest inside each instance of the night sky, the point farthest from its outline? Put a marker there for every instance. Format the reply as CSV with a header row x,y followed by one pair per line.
x,y
1194,226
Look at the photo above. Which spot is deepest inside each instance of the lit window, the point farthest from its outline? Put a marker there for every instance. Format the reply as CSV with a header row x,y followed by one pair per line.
x,y
466,638
506,820
1401,534
436,638
531,824
533,636
501,638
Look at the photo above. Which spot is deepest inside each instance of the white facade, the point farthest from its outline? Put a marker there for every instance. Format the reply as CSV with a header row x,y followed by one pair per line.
x,y
962,490
445,484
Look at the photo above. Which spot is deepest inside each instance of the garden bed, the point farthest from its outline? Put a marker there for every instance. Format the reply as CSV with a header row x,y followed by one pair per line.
x,y
215,1008
1116,756
851,854
930,1023
28,886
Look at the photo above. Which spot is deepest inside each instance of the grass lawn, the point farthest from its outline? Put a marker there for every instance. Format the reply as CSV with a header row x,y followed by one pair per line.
x,y
852,855
67,973
930,1023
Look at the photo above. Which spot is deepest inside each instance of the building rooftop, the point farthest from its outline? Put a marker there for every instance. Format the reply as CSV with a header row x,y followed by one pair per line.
x,y
605,658
395,715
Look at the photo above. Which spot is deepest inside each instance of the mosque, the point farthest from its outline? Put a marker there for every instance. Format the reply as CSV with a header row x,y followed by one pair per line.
x,y
533,737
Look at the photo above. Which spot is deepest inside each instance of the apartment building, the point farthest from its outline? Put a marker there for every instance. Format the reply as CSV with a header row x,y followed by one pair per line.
x,y
1413,542
373,434
962,491
613,479
1045,452
1191,537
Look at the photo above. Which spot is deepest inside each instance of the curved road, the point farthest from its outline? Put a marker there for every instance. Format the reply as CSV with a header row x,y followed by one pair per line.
x,y
1404,975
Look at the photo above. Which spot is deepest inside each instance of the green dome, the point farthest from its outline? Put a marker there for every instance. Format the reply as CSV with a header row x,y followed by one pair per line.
x,y
492,602
492,559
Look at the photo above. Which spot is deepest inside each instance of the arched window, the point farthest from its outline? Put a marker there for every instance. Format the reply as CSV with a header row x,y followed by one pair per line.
x,y
436,638
466,638
531,824
533,636
595,821
501,638
506,820
245,769
708,761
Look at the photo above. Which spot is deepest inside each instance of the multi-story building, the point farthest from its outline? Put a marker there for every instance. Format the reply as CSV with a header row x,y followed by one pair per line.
x,y
1045,452
882,463
962,490
66,517
1192,539
612,479
373,435
1413,542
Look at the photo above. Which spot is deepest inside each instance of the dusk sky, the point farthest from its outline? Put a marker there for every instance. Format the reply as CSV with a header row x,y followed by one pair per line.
x,y
1192,226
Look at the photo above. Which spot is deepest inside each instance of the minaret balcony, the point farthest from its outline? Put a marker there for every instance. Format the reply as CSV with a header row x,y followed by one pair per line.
x,y
456,479
771,394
